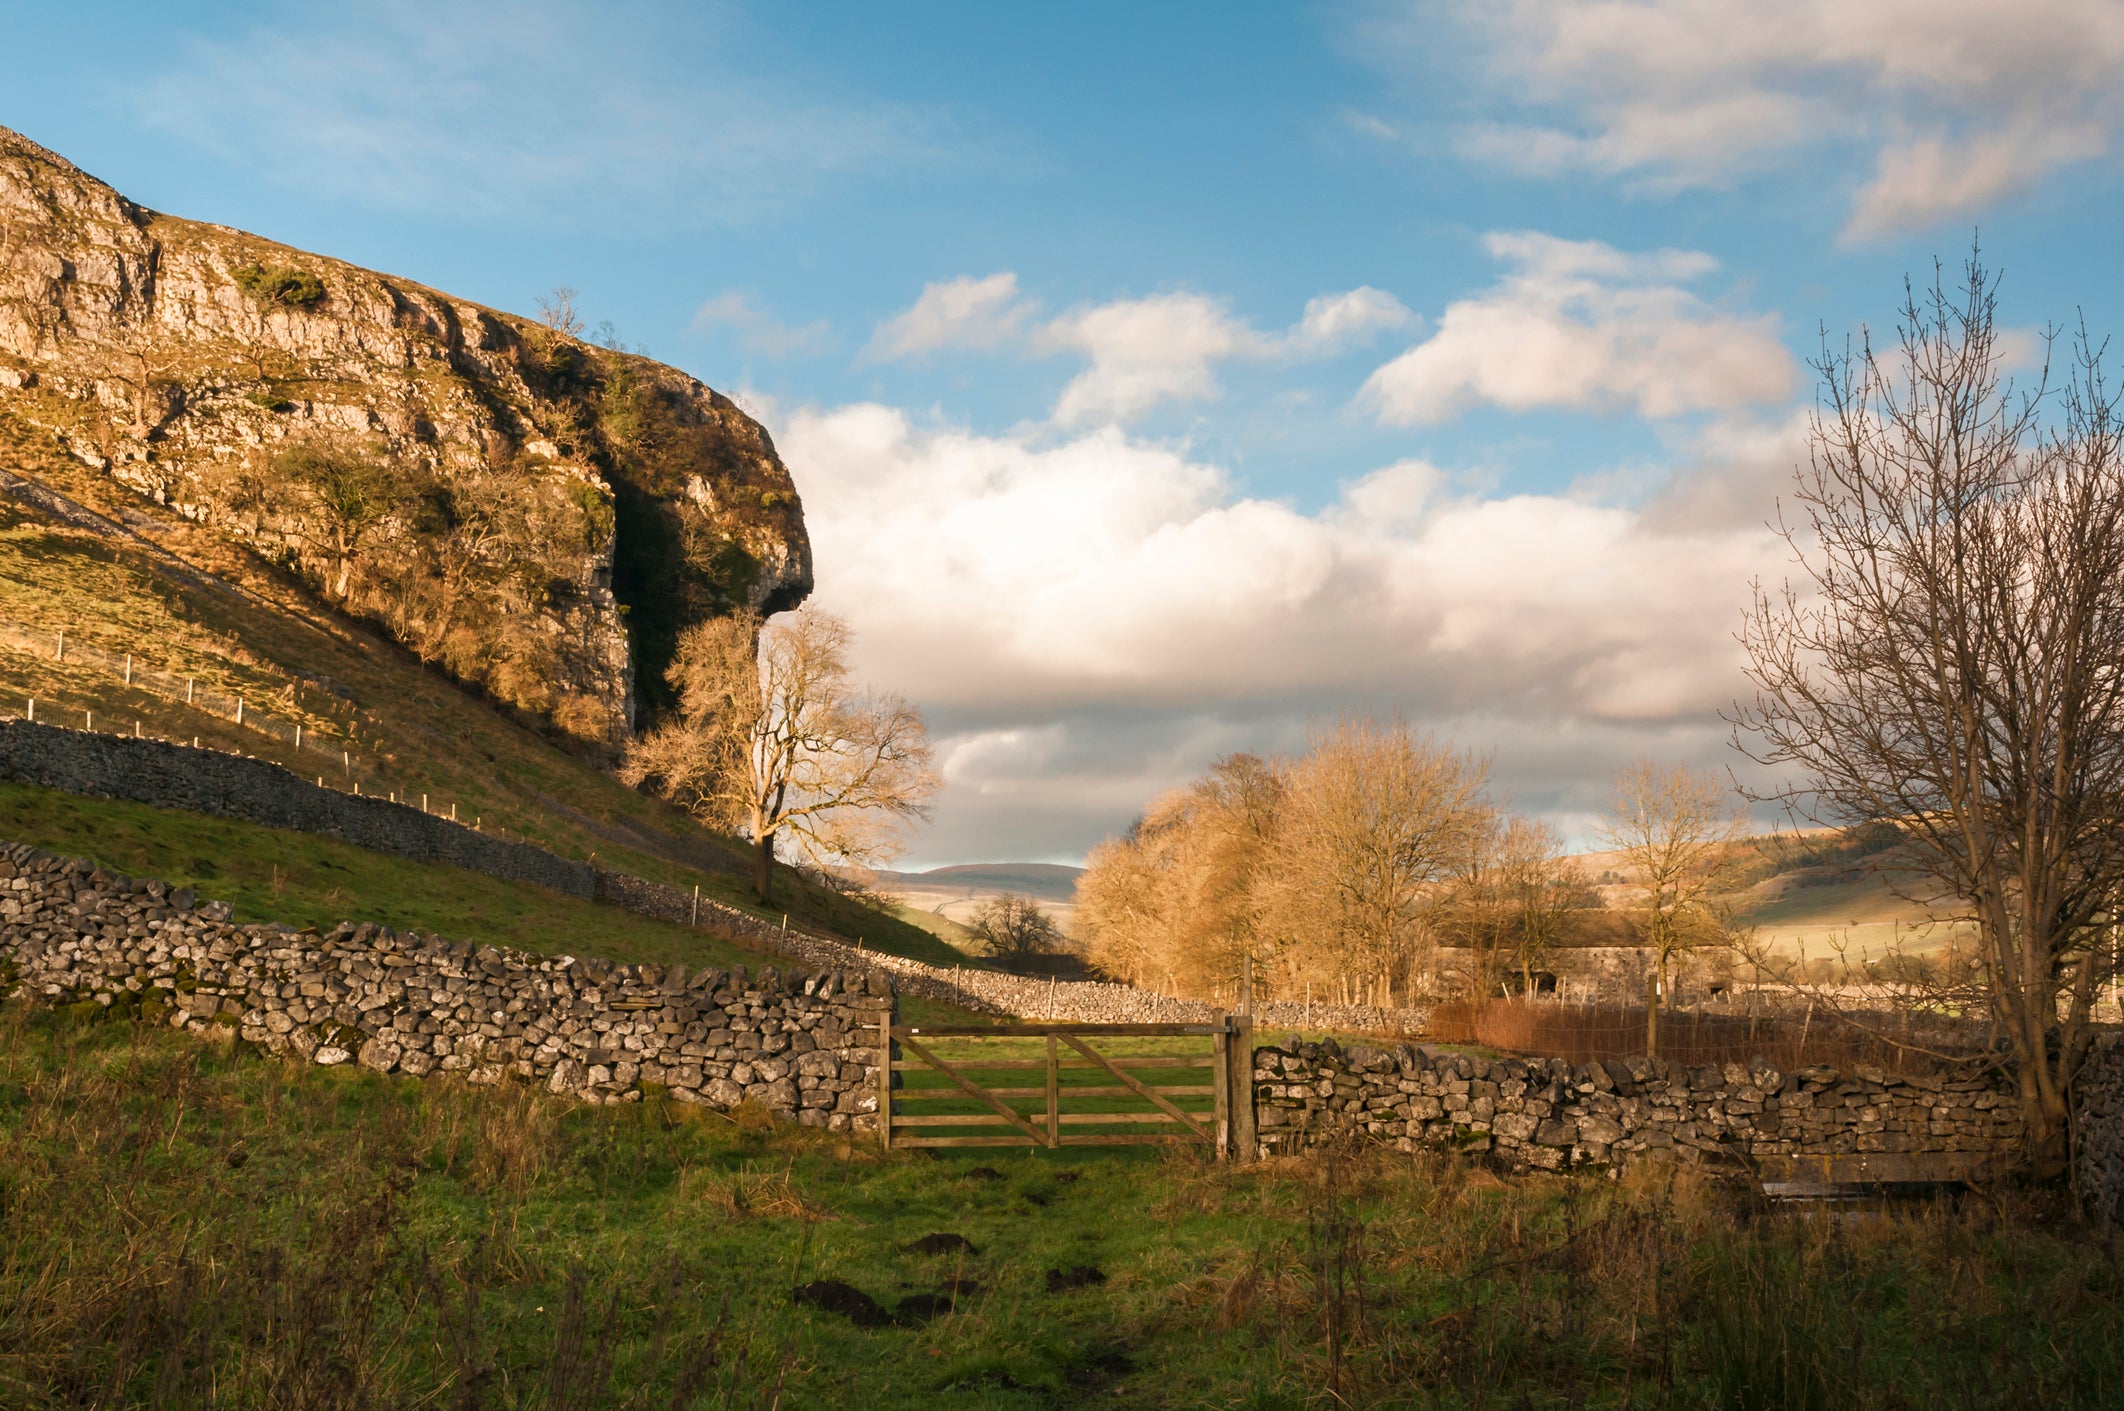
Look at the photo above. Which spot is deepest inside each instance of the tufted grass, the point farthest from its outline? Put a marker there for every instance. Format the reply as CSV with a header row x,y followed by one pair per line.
x,y
185,1225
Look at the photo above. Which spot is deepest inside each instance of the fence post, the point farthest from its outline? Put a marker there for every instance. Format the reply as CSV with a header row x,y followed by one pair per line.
x,y
128,668
1054,1095
1240,1069
696,903
298,734
1221,1048
60,655
32,709
187,690
239,710
885,1078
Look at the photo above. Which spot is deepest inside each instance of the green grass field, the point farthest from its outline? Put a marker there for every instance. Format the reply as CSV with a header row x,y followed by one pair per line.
x,y
182,1224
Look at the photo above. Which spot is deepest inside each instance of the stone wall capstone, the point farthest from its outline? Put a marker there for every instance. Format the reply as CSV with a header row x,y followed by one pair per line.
x,y
805,1046
1550,1114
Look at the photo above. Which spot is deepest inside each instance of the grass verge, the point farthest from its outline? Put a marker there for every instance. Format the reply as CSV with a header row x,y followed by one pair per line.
x,y
183,1224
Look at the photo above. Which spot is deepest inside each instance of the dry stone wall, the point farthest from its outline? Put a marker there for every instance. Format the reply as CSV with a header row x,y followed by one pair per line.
x,y
259,791
1549,1114
2098,1130
805,1046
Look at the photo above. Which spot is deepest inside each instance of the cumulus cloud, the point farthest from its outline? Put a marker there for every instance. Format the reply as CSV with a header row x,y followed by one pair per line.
x,y
1138,353
1334,321
759,331
543,111
1580,324
1962,102
1091,619
968,312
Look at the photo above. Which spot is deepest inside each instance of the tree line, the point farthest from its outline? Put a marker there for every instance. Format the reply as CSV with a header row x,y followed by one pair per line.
x,y
1345,870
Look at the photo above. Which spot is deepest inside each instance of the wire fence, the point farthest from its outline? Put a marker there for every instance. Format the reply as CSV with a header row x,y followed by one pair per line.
x,y
305,738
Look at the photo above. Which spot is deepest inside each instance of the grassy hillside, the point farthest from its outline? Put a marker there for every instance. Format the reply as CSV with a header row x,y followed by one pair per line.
x,y
251,632
1816,891
188,1226
300,879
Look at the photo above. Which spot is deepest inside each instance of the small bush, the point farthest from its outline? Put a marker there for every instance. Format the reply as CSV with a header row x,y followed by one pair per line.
x,y
270,402
280,284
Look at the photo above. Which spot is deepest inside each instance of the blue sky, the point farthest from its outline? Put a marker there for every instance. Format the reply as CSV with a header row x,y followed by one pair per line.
x,y
1162,377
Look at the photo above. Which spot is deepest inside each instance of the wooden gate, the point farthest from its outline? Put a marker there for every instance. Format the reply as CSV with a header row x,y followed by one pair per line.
x,y
1100,1085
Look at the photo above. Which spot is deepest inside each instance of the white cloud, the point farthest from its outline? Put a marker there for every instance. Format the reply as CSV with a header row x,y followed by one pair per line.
x,y
545,111
1334,321
1138,353
1145,351
759,331
1089,620
984,313
1961,102
1580,324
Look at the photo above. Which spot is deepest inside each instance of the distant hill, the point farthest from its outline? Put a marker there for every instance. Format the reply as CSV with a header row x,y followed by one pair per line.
x,y
1043,881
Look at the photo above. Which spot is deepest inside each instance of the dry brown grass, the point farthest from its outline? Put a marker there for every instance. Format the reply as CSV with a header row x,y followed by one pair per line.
x,y
759,1194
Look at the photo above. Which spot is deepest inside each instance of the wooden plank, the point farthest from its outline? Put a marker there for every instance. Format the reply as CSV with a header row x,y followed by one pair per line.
x,y
1035,1031
1142,1091
1077,1064
967,1141
1221,1087
1054,1095
1169,1089
907,1121
1125,1139
972,1090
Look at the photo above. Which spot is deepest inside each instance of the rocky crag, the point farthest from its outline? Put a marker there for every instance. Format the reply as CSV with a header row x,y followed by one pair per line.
x,y
536,513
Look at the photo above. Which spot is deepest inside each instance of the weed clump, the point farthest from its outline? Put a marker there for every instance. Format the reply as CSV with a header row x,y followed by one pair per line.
x,y
282,285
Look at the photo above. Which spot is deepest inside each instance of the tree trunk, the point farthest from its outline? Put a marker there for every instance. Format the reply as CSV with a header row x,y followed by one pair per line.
x,y
2047,1144
763,867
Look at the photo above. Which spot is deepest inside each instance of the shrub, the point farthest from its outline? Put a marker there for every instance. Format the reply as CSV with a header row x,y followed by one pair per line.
x,y
279,284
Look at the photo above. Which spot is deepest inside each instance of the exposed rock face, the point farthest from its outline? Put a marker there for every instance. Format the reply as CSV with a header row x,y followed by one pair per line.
x,y
539,515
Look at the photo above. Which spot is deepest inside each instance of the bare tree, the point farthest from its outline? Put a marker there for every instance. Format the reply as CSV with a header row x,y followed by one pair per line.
x,y
1675,828
1372,820
1176,899
1540,886
1015,931
558,312
1952,658
776,741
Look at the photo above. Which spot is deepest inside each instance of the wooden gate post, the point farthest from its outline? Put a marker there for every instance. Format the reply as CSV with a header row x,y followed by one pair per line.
x,y
1240,1091
1221,1065
885,1074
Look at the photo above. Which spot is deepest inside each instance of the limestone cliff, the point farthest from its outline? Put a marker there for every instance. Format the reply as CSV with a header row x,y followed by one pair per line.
x,y
536,514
